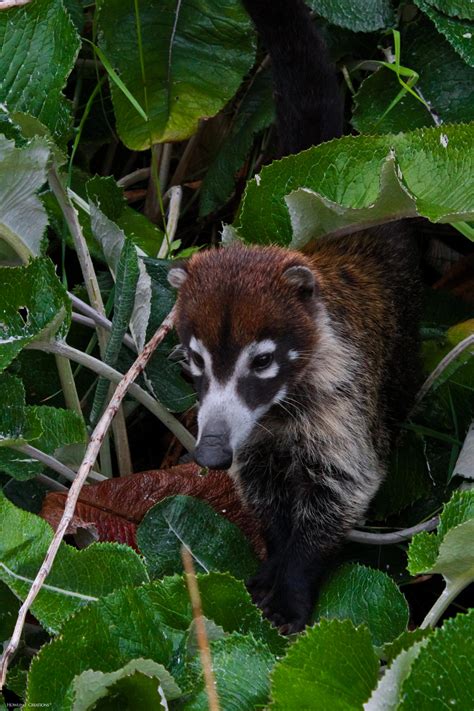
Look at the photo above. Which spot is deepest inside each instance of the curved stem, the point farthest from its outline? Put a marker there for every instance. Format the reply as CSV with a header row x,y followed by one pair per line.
x,y
54,464
155,407
442,365
385,539
450,593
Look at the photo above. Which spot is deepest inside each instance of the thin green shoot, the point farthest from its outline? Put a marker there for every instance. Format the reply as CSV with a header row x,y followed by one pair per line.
x,y
117,81
465,228
80,128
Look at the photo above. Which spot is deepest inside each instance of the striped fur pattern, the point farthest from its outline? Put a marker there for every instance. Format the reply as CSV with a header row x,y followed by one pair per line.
x,y
307,443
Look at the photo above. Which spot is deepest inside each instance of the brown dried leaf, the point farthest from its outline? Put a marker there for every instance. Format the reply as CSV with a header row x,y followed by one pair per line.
x,y
115,507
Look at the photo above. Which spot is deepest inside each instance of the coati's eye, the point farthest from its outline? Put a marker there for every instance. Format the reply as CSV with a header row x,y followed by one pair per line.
x,y
262,361
196,359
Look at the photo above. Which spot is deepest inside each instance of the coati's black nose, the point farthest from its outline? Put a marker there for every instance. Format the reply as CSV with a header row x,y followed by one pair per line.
x,y
213,451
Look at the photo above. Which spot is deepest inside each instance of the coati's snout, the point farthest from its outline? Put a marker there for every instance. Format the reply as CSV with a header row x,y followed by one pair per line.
x,y
213,449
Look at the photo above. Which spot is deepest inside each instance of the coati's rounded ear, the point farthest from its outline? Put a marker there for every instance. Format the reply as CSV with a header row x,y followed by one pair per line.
x,y
177,276
303,279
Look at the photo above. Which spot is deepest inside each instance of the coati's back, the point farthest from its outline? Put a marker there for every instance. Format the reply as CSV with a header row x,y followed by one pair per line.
x,y
303,363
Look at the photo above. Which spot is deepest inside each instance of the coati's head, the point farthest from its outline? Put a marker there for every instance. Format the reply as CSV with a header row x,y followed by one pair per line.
x,y
245,318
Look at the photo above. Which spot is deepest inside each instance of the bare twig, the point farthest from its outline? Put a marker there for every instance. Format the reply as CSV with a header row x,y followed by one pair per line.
x,y
155,407
6,4
95,297
54,463
73,495
442,365
135,177
386,539
201,634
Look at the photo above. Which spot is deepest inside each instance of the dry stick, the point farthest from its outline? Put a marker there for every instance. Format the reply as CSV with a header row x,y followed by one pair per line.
x,y
84,470
95,297
201,634
135,177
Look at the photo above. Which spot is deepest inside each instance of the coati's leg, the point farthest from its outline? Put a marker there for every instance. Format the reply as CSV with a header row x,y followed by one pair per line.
x,y
321,520
277,534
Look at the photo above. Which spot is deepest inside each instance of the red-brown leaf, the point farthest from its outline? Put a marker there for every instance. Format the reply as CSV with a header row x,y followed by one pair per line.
x,y
114,508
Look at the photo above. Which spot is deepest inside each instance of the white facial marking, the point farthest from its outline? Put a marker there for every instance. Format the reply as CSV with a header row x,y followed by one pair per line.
x,y
198,347
222,402
293,355
270,372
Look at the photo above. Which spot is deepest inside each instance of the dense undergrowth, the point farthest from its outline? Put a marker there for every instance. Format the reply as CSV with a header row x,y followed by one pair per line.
x,y
128,132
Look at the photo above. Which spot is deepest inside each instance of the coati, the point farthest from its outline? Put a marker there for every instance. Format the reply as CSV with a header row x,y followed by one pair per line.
x,y
303,364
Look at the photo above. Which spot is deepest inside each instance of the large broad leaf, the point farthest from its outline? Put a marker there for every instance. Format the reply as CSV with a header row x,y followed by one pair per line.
x,y
38,48
195,54
235,659
16,426
356,15
357,181
152,621
23,218
141,683
255,113
365,596
458,32
332,666
442,675
181,520
449,551
34,305
458,8
77,577
9,605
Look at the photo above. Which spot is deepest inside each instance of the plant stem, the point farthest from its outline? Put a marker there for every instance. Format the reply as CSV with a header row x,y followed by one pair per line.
x,y
73,495
68,385
96,318
386,539
442,365
53,463
95,298
201,634
450,593
155,407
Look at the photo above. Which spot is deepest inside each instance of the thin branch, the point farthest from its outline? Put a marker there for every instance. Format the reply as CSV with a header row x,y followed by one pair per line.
x,y
68,385
386,539
442,365
95,297
201,634
175,195
50,483
54,464
155,407
84,470
135,177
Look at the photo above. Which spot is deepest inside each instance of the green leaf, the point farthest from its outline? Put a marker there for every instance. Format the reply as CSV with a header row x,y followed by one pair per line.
x,y
176,78
127,276
374,97
365,596
38,48
57,430
459,33
23,218
151,621
9,605
141,684
458,8
255,113
333,186
77,577
180,520
16,426
356,15
386,696
442,675
404,641
34,305
331,666
235,660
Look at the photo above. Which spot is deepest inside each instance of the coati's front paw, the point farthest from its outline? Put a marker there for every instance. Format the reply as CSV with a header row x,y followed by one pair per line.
x,y
288,608
260,585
